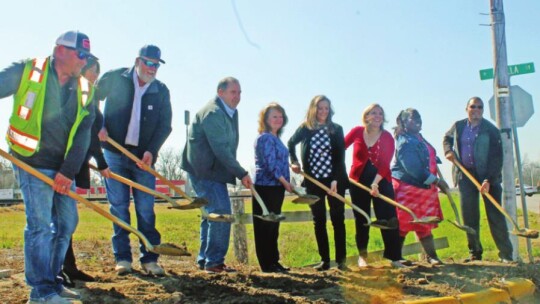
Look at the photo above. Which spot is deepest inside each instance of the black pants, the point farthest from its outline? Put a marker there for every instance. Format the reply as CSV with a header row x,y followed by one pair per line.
x,y
70,265
470,210
337,216
267,233
383,211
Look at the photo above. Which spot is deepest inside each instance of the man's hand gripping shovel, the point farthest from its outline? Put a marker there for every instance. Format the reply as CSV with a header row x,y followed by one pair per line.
x,y
165,249
416,220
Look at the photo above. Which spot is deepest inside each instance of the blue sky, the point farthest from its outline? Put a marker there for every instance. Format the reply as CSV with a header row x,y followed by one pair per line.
x,y
424,54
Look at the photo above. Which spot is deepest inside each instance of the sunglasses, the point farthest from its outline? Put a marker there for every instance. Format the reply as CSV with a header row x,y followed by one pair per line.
x,y
149,63
80,54
476,107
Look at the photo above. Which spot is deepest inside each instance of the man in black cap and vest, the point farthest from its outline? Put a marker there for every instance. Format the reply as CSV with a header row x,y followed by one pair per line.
x,y
138,116
49,130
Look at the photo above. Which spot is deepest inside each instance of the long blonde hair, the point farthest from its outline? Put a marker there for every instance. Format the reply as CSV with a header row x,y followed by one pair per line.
x,y
311,115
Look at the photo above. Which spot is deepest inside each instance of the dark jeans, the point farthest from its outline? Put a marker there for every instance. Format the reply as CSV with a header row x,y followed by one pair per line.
x,y
383,211
70,264
470,210
267,233
337,216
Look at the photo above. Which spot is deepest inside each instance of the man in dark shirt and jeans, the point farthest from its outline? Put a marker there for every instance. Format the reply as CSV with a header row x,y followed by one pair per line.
x,y
55,145
476,143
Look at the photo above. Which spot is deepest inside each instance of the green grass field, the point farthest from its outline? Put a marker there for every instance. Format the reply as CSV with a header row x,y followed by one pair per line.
x,y
297,241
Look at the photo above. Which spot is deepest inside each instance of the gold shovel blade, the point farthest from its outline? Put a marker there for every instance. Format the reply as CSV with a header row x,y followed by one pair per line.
x,y
225,218
197,202
467,229
427,220
526,233
271,217
171,249
308,199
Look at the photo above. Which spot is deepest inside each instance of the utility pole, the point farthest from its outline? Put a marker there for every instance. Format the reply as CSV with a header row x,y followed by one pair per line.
x,y
501,87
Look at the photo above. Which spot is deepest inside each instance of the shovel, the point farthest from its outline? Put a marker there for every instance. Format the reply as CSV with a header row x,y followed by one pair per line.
x,y
165,249
194,202
266,216
123,180
381,224
457,222
523,232
416,220
303,198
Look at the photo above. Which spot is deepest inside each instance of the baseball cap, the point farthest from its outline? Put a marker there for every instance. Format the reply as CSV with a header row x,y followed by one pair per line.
x,y
152,52
75,40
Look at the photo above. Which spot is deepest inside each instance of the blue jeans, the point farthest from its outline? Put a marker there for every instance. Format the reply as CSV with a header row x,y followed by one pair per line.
x,y
119,198
51,219
214,235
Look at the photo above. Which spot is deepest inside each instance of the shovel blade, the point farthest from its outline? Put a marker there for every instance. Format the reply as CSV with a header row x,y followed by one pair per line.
x,y
306,199
225,218
385,224
171,249
526,233
467,229
271,217
427,220
197,202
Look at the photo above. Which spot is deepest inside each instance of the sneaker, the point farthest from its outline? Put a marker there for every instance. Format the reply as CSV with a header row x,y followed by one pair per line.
x,y
506,261
362,263
397,264
434,261
472,258
123,267
56,299
323,266
153,268
219,269
69,294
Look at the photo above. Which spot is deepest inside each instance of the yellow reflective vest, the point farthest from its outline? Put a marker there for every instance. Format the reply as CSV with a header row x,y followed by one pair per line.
x,y
24,132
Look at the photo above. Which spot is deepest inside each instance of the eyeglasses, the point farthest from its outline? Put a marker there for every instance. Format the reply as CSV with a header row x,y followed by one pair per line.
x,y
476,107
80,54
149,63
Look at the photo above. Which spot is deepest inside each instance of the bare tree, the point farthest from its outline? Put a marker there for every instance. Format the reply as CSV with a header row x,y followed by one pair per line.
x,y
168,164
7,179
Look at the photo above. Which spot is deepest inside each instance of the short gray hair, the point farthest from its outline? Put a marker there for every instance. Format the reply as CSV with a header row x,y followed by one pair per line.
x,y
224,83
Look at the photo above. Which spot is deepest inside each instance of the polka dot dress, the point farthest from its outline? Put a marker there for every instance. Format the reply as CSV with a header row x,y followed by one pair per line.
x,y
320,156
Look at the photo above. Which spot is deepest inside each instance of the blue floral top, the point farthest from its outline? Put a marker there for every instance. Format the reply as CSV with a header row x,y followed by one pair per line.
x,y
271,160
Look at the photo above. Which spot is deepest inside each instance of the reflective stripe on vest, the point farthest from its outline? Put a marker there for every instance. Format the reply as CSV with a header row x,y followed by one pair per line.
x,y
36,75
24,141
84,84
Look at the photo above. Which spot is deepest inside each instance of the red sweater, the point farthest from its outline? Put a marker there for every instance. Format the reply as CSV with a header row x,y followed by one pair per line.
x,y
383,152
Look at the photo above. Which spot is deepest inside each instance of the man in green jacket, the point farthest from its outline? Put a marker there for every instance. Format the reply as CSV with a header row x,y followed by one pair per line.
x,y
209,157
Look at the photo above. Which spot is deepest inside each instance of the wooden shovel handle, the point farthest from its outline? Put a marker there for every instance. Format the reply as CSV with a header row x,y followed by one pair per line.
x,y
79,198
490,198
259,200
386,199
148,168
449,195
138,186
336,195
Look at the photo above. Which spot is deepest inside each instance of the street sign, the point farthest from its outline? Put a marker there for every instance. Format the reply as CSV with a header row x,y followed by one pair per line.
x,y
523,105
517,69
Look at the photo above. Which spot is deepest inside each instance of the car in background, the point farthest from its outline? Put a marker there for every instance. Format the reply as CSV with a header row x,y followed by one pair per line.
x,y
529,190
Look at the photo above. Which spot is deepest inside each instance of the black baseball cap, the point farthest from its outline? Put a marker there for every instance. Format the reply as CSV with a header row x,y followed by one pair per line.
x,y
152,52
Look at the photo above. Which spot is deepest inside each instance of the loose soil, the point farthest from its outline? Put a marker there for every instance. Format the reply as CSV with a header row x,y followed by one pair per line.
x,y
185,283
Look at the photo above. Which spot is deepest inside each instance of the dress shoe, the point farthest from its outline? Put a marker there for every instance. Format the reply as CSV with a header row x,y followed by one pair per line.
x,y
342,266
79,275
472,258
219,269
281,268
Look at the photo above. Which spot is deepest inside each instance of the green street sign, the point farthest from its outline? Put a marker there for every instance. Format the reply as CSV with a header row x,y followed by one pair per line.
x,y
517,69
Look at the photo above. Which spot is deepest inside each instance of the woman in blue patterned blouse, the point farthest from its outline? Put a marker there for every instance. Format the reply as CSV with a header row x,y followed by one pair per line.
x,y
271,181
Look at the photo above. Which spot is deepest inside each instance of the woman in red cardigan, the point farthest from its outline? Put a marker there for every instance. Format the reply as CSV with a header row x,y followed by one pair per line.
x,y
373,150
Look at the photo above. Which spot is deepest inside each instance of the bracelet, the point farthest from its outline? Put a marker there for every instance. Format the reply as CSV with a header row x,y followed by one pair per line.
x,y
375,185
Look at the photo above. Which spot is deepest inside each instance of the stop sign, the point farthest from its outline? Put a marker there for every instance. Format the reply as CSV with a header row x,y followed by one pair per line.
x,y
523,105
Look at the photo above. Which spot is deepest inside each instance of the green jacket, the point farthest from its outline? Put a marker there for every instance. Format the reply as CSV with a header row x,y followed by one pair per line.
x,y
488,153
210,151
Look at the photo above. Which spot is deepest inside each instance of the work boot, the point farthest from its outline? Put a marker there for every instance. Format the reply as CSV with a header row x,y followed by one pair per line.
x,y
153,268
123,267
